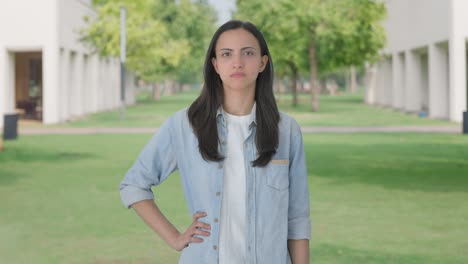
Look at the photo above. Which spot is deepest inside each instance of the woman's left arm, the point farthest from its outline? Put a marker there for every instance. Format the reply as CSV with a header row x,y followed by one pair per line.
x,y
299,232
299,251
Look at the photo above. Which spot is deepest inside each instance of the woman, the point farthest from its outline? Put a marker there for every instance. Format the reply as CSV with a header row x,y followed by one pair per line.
x,y
241,163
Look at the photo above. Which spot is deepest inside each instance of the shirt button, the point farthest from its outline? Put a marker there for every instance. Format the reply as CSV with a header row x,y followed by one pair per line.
x,y
218,193
215,247
223,142
216,220
220,166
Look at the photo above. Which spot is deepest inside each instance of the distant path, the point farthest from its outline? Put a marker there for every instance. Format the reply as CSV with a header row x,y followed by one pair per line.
x,y
148,130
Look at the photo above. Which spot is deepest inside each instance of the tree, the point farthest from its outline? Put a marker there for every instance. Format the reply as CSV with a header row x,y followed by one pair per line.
x,y
278,32
194,23
165,38
334,33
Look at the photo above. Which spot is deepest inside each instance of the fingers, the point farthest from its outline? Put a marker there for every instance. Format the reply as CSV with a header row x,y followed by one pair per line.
x,y
195,240
198,215
197,229
201,225
200,232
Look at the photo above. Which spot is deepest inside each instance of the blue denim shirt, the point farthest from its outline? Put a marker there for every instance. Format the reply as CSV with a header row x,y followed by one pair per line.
x,y
277,194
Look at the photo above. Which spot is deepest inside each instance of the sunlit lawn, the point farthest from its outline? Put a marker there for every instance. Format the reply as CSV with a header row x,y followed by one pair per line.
x,y
375,198
343,110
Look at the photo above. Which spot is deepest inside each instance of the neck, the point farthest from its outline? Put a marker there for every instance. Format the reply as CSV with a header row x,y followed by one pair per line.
x,y
237,103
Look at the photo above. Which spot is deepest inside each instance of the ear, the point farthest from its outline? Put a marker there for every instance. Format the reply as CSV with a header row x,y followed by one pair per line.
x,y
215,64
263,63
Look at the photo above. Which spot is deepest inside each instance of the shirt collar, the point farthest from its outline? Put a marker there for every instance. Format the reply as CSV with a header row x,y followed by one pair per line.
x,y
253,115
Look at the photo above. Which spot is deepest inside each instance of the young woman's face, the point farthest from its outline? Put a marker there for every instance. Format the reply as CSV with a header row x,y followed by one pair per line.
x,y
238,59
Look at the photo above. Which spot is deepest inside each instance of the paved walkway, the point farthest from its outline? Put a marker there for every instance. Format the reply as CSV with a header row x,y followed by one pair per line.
x,y
148,130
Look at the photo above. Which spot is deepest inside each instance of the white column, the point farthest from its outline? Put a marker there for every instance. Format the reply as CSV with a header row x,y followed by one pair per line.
x,y
3,82
86,85
104,86
101,105
424,81
380,83
107,82
129,88
64,108
457,61
370,83
438,82
50,72
114,76
412,86
7,82
388,82
51,84
398,80
72,87
78,86
94,82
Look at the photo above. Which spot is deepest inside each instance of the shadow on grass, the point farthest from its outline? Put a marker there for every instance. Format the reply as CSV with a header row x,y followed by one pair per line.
x,y
328,105
15,157
409,166
326,253
8,176
39,155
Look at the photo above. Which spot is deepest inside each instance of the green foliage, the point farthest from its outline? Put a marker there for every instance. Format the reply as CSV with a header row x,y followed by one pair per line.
x,y
194,23
352,35
164,37
345,32
281,31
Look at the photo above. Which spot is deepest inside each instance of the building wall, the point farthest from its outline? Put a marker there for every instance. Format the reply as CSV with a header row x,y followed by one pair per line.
x,y
427,43
18,35
413,24
75,81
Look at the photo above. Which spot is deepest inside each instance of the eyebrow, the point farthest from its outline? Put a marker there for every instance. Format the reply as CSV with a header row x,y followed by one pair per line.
x,y
244,48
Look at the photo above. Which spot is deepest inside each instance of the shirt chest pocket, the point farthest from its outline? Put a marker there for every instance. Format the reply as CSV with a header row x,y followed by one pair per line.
x,y
277,176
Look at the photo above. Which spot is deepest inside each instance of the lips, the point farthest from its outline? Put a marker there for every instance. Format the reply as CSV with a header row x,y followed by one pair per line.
x,y
237,75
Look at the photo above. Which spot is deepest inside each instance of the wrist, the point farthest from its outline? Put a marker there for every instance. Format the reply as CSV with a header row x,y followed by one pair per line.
x,y
174,241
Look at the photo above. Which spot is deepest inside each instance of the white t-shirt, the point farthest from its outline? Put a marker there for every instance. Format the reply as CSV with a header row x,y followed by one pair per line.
x,y
232,234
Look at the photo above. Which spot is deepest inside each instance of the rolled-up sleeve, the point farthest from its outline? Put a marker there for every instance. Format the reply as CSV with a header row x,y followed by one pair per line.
x,y
299,226
154,164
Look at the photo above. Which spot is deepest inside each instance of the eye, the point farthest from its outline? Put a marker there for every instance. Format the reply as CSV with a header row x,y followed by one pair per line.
x,y
249,53
226,54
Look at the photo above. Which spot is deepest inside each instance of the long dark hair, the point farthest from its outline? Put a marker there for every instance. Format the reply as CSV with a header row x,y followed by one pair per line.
x,y
202,112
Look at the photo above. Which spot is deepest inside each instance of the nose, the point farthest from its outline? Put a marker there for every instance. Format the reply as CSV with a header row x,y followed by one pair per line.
x,y
237,61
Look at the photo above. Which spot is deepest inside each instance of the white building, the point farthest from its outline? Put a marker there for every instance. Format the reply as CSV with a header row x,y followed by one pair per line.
x,y
424,66
45,72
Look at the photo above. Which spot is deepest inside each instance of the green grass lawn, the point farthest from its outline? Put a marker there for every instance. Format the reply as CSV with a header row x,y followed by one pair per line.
x,y
375,198
343,110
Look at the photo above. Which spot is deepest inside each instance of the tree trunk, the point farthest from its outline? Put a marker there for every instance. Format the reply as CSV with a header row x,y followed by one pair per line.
x,y
353,80
314,87
168,87
348,80
293,82
156,91
281,89
277,89
177,87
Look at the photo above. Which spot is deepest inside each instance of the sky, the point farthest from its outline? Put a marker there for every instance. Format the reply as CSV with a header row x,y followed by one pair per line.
x,y
224,8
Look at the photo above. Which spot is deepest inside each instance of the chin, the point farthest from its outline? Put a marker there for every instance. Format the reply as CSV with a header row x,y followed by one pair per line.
x,y
239,86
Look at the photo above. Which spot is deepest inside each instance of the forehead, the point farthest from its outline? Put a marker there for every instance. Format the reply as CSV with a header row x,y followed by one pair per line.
x,y
236,38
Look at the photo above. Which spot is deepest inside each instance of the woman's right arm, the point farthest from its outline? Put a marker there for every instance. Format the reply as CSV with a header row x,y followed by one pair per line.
x,y
150,213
